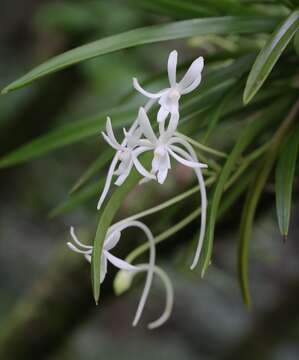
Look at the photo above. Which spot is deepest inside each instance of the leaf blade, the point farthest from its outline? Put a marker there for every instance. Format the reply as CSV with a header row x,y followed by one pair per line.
x,y
284,177
146,35
63,136
269,55
253,197
252,129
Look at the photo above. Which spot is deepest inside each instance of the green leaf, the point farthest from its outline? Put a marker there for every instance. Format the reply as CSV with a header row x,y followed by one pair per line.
x,y
213,88
151,34
94,167
270,54
252,129
65,135
104,223
284,178
249,209
253,197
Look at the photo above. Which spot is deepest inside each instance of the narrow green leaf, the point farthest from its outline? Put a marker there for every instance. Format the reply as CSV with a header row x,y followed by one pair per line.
x,y
146,35
249,209
270,54
215,85
104,223
65,135
253,197
252,129
284,178
213,88
94,167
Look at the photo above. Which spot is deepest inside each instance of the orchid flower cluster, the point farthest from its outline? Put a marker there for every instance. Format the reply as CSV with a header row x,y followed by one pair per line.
x,y
165,143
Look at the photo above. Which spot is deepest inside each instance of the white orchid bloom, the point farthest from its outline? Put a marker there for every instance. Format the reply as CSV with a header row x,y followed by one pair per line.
x,y
112,239
123,281
126,156
171,144
110,242
169,97
165,146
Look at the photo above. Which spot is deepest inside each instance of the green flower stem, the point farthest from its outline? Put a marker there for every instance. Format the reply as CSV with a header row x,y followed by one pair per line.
x,y
169,202
245,162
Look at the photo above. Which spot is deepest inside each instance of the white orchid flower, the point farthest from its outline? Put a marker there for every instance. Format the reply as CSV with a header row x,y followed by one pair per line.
x,y
169,97
171,144
112,239
126,156
165,146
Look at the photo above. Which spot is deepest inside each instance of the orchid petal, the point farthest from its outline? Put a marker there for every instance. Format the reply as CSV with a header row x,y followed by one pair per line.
x,y
87,257
155,164
169,299
144,92
150,272
77,241
182,160
204,202
146,126
108,181
119,263
114,145
123,171
122,177
141,169
134,138
203,217
110,132
193,86
172,126
162,175
162,114
168,289
145,180
193,76
111,240
75,249
171,67
189,148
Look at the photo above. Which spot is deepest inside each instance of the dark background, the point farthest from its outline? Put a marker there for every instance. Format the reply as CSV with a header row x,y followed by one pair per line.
x,y
46,306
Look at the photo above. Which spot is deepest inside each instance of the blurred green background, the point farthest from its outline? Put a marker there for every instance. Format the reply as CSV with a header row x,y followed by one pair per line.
x,y
46,306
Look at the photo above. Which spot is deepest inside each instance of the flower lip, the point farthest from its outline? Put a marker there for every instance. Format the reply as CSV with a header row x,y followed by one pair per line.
x,y
160,150
124,155
174,94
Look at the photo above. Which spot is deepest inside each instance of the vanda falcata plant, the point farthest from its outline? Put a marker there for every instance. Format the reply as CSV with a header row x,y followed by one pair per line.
x,y
168,143
243,99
